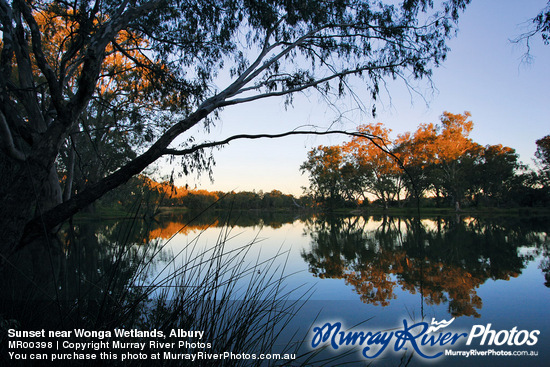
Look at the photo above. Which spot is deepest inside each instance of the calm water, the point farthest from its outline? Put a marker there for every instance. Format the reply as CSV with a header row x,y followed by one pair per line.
x,y
376,270
479,271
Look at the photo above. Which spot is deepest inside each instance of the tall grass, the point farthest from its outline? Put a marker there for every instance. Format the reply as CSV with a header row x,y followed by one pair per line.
x,y
242,306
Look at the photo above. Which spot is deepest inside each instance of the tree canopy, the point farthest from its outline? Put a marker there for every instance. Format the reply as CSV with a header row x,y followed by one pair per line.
x,y
439,161
143,72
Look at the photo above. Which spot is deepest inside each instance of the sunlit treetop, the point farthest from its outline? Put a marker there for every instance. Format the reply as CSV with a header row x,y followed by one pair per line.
x,y
126,69
373,153
438,143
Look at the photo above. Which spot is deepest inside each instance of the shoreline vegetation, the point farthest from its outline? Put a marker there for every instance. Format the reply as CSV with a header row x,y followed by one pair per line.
x,y
118,285
110,213
148,199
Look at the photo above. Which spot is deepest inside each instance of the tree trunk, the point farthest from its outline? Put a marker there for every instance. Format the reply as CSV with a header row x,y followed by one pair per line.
x,y
27,189
68,189
16,196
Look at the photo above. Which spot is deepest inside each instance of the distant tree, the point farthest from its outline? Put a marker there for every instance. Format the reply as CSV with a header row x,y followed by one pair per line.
x,y
352,183
451,154
542,154
494,174
413,150
439,159
324,167
377,172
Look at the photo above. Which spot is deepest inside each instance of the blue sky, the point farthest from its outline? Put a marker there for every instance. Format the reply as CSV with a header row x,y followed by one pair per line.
x,y
483,74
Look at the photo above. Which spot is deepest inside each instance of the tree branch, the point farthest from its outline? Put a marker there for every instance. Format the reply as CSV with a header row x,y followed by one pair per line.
x,y
379,142
277,57
41,61
92,192
311,84
195,148
91,68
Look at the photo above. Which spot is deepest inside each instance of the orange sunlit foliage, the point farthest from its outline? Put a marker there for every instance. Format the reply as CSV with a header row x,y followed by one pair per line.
x,y
169,229
169,190
126,67
418,149
445,283
498,150
435,157
164,188
367,154
440,283
453,140
379,171
431,144
330,157
374,284
377,263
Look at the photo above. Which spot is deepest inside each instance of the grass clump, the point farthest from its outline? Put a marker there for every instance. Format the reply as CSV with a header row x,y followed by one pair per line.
x,y
107,280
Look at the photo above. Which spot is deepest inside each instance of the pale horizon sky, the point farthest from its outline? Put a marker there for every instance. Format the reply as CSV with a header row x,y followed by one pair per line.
x,y
483,74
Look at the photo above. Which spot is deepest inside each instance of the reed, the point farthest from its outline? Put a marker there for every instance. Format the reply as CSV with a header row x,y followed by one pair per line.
x,y
241,307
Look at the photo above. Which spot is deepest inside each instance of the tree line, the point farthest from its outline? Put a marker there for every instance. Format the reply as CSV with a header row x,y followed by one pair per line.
x,y
438,164
154,197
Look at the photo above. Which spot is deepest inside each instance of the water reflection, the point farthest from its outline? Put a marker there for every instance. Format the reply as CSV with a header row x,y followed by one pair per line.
x,y
445,260
94,257
102,275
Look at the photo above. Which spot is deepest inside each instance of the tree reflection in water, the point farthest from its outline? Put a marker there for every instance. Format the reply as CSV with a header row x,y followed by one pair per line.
x,y
102,269
123,274
444,260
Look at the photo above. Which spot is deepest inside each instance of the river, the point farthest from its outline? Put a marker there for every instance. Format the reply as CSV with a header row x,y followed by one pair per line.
x,y
489,276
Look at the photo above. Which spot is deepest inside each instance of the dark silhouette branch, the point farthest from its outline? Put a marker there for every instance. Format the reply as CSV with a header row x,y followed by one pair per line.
x,y
312,84
213,144
379,142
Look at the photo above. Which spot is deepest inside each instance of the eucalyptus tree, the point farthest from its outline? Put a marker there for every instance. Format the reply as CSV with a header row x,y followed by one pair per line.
x,y
494,174
266,48
379,173
442,157
540,24
325,167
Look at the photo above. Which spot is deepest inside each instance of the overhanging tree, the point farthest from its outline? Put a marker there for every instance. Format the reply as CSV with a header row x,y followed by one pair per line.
x,y
267,48
540,24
